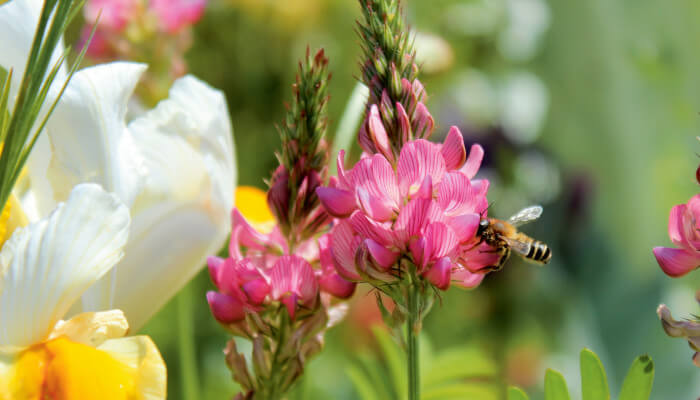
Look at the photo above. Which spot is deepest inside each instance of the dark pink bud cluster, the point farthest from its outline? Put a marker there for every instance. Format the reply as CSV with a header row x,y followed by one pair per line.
x,y
425,211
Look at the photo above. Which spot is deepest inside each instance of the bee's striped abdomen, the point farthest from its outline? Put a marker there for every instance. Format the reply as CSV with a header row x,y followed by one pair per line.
x,y
539,252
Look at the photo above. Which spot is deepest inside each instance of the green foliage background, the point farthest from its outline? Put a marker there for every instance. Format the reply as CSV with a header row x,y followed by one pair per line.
x,y
623,79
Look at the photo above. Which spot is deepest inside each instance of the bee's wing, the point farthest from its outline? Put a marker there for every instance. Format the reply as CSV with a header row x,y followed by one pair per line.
x,y
525,215
522,248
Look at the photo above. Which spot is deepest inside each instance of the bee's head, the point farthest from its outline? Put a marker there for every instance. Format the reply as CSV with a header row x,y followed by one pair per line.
x,y
483,224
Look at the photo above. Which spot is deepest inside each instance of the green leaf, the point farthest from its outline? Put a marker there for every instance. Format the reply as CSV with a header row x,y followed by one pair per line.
x,y
395,359
460,391
555,386
515,393
460,363
639,380
363,386
594,384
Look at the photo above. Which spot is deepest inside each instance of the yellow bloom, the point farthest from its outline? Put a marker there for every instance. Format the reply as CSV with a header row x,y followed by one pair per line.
x,y
44,270
252,203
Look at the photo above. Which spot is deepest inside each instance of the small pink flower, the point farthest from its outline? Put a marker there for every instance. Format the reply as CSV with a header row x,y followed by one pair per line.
x,y
428,208
328,278
684,231
113,14
174,15
293,282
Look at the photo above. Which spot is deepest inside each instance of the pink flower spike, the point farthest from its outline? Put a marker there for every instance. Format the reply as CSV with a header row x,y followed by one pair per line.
x,y
440,274
226,309
378,133
174,15
339,203
292,277
676,262
384,257
453,149
374,207
471,167
466,279
113,14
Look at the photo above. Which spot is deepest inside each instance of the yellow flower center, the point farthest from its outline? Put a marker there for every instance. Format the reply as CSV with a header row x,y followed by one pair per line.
x,y
64,370
11,218
252,203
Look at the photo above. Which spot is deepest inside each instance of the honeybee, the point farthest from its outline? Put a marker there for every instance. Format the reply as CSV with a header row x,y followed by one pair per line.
x,y
504,236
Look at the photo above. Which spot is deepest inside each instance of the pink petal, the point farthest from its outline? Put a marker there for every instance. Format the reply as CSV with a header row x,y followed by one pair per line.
x,y
337,286
414,217
377,208
439,275
440,239
325,252
293,274
471,167
676,226
466,279
676,262
453,149
343,183
215,264
480,258
290,302
418,90
465,226
248,236
256,290
378,134
383,256
376,175
339,203
456,195
113,15
226,309
417,160
344,245
418,251
369,228
423,122
404,123
426,189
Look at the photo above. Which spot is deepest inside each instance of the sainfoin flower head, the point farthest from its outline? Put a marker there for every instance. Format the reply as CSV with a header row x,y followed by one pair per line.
x,y
428,207
683,229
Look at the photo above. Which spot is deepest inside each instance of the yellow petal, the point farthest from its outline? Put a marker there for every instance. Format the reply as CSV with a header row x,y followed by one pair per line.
x,y
11,218
92,328
142,355
60,369
252,203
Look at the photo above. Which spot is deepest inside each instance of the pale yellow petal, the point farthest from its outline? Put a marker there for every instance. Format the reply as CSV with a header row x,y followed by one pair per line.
x,y
92,328
141,354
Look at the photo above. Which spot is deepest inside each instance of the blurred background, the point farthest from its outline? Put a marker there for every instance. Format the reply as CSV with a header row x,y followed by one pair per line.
x,y
589,108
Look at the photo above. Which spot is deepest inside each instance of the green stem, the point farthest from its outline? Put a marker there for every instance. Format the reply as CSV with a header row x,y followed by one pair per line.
x,y
412,343
186,342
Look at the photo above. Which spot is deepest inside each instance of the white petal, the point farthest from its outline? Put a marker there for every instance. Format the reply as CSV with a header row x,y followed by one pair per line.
x,y
88,138
182,214
18,22
46,266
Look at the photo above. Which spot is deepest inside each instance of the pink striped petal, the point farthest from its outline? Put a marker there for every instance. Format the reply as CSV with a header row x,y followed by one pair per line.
x,y
676,226
440,273
226,309
417,160
344,245
368,228
418,90
375,207
471,167
440,239
404,123
418,251
676,262
453,149
465,226
337,202
293,274
384,257
414,217
466,279
340,163
456,195
481,258
423,122
426,189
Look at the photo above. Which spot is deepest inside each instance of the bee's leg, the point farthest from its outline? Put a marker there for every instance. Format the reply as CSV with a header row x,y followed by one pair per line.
x,y
504,257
